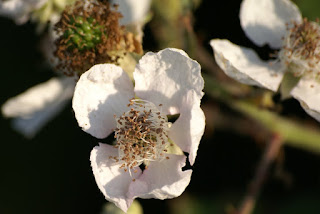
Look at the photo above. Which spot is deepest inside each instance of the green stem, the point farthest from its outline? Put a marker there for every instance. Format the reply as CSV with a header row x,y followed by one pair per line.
x,y
292,133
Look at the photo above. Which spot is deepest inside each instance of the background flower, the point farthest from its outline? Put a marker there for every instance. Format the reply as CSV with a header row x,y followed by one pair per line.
x,y
39,11
34,108
272,23
20,10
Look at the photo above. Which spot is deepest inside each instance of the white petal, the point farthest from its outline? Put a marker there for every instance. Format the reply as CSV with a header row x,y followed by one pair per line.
x,y
165,77
187,131
163,179
19,10
30,126
48,47
133,11
264,21
307,91
101,92
312,113
245,66
38,97
36,106
111,180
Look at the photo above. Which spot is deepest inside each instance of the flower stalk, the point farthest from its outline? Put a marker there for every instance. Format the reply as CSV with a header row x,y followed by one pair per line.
x,y
293,133
270,154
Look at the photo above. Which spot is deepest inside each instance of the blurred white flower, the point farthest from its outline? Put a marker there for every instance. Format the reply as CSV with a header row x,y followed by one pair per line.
x,y
39,11
32,109
35,107
279,24
166,83
20,10
136,11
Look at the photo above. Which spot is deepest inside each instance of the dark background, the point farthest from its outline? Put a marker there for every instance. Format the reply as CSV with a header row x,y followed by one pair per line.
x,y
51,173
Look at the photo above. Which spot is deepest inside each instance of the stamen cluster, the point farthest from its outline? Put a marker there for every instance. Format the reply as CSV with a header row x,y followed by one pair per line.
x,y
142,134
301,49
90,33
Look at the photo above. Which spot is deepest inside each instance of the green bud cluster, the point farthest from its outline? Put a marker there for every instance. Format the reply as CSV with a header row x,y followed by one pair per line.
x,y
83,34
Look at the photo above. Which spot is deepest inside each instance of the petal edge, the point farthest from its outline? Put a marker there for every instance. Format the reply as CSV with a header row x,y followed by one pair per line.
x,y
244,65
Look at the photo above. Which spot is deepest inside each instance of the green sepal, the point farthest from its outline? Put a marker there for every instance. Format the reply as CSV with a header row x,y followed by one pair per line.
x,y
287,84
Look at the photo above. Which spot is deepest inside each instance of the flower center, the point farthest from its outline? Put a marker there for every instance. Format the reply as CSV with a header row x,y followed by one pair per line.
x,y
89,33
301,48
142,134
84,34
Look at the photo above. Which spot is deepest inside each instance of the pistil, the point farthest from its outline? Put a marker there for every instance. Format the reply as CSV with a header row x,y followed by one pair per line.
x,y
90,33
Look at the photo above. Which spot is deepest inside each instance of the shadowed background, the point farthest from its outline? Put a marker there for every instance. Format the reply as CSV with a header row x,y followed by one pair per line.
x,y
51,173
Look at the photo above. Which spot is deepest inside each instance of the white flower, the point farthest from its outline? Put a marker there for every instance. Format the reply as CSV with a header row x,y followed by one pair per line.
x,y
49,12
279,24
32,109
20,10
40,11
136,10
35,107
166,83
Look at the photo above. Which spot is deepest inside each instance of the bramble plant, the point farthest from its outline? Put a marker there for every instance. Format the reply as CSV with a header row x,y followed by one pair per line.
x,y
170,107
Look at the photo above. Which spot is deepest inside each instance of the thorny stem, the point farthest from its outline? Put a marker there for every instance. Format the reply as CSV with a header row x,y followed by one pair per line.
x,y
270,154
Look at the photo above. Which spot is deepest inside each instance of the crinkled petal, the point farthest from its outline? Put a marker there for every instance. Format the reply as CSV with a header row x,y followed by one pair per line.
x,y
187,131
163,179
111,180
133,11
101,92
166,77
307,91
245,66
264,21
36,106
19,10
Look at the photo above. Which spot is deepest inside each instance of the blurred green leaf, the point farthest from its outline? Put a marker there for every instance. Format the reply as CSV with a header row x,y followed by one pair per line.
x,y
309,8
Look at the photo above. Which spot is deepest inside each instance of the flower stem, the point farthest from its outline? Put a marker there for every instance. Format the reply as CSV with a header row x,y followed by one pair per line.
x,y
293,133
270,154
